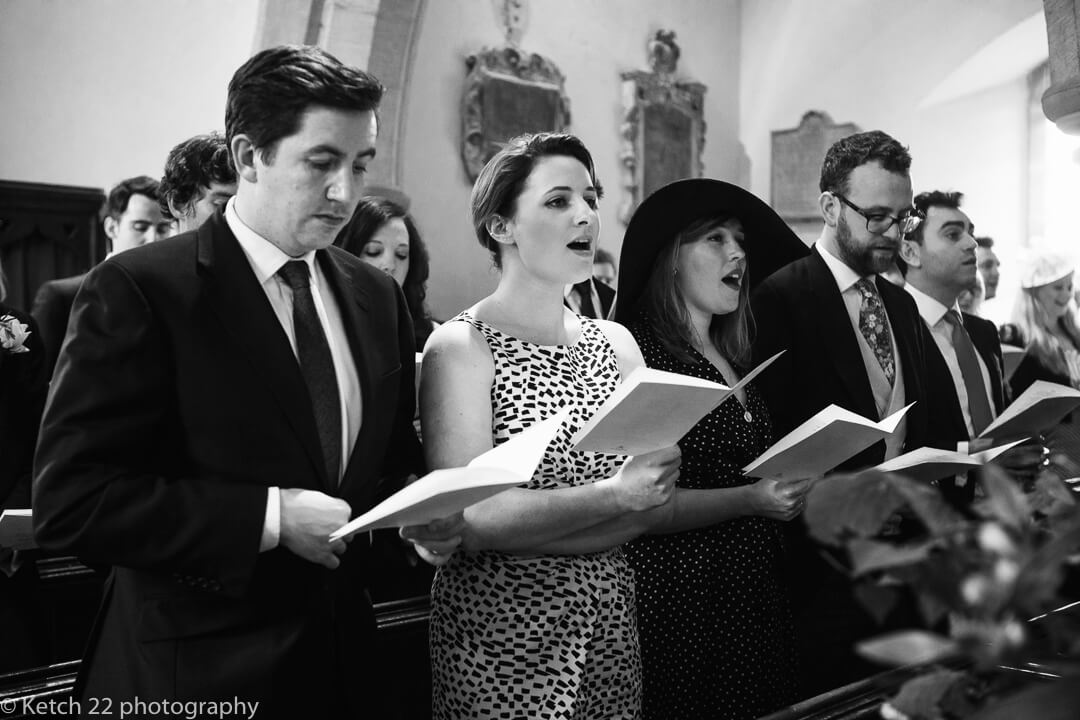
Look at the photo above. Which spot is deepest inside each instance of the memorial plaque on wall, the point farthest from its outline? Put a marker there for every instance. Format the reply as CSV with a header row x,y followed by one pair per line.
x,y
797,155
508,92
663,128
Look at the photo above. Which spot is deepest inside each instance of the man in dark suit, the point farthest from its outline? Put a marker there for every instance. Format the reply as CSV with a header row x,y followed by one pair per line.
x,y
199,179
226,399
590,298
855,340
130,217
964,367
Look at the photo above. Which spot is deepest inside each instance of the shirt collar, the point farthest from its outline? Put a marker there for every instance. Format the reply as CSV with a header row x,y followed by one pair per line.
x,y
845,276
265,257
930,309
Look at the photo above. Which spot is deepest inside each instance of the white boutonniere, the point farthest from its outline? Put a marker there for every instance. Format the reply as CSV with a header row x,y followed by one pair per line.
x,y
13,335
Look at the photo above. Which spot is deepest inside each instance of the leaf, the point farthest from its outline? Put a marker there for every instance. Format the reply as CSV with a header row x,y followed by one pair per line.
x,y
920,697
1004,500
841,505
907,647
1058,700
868,555
1052,496
929,505
879,601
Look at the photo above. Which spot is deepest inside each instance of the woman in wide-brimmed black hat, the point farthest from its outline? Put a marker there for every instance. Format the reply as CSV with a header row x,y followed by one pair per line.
x,y
716,632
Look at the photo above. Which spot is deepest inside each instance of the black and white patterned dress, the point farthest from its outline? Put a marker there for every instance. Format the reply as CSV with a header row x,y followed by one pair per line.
x,y
717,639
548,636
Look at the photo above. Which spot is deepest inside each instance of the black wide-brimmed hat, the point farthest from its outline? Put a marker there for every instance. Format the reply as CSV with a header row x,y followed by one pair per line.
x,y
769,243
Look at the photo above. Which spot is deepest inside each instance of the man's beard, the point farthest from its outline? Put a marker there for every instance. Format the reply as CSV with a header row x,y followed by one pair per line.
x,y
860,259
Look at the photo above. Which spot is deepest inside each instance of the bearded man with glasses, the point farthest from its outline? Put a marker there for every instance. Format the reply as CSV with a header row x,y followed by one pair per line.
x,y
855,340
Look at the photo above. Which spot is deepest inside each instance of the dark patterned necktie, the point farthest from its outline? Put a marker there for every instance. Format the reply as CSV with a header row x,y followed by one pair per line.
x,y
874,325
978,403
316,365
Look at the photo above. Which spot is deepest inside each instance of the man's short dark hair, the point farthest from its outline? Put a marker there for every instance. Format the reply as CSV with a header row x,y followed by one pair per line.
x,y
852,151
117,201
269,94
984,241
926,200
191,167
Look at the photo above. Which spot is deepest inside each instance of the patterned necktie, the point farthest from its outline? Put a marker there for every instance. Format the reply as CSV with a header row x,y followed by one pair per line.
x,y
978,403
874,325
316,365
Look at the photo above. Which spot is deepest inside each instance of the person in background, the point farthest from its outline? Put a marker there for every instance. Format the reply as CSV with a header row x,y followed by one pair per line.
x,y
964,366
971,298
131,217
199,179
537,615
989,266
717,637
1045,324
603,268
383,234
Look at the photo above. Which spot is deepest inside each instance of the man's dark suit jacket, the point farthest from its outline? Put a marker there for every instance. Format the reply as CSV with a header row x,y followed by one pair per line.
x,y
52,308
177,402
607,299
799,308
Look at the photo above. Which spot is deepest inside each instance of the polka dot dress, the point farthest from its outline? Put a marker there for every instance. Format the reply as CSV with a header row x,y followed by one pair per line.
x,y
551,636
716,632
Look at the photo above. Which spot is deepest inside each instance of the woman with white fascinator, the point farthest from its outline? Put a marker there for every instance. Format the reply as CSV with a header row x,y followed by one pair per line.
x,y
1045,319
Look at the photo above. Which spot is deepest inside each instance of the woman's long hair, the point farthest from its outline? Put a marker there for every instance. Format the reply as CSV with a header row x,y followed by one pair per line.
x,y
1036,329
666,313
371,214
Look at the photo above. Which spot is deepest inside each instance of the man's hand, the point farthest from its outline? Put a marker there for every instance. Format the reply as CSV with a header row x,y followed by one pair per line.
x,y
308,517
437,541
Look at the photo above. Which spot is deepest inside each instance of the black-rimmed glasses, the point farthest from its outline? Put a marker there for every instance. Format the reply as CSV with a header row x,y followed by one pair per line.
x,y
879,223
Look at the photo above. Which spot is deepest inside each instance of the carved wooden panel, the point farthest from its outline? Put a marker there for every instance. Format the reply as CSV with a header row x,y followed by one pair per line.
x,y
508,92
46,232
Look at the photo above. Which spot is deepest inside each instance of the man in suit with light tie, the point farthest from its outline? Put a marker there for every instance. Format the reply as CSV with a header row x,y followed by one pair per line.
x,y
964,367
855,340
227,398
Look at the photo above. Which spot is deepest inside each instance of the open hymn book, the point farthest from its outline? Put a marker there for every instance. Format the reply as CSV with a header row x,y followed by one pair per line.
x,y
821,443
444,492
17,529
653,409
1036,410
927,464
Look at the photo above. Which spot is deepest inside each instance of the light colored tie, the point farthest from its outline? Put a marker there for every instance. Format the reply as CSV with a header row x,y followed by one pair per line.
x,y
978,403
874,325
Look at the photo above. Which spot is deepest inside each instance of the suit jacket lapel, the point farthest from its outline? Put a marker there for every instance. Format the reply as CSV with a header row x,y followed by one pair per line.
x,y
234,295
984,344
838,336
354,304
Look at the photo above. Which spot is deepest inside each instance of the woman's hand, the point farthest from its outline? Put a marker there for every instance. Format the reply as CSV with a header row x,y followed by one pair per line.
x,y
779,499
646,481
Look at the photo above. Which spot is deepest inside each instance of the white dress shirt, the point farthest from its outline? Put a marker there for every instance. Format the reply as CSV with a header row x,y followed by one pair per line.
x,y
933,314
266,259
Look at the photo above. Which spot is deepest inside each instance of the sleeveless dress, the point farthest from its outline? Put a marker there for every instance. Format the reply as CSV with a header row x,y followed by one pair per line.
x,y
546,636
717,638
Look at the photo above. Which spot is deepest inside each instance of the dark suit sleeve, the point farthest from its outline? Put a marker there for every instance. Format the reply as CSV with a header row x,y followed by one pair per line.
x,y
111,484
51,313
773,333
404,455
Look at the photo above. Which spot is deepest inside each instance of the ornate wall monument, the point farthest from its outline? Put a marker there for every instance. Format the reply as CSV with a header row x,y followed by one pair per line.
x,y
509,91
797,155
663,127
1061,101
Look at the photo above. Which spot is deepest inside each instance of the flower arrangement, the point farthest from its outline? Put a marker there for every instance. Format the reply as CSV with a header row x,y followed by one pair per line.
x,y
978,579
13,335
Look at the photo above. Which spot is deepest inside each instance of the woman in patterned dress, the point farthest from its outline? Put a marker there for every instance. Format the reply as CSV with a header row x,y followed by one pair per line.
x,y
536,617
716,632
